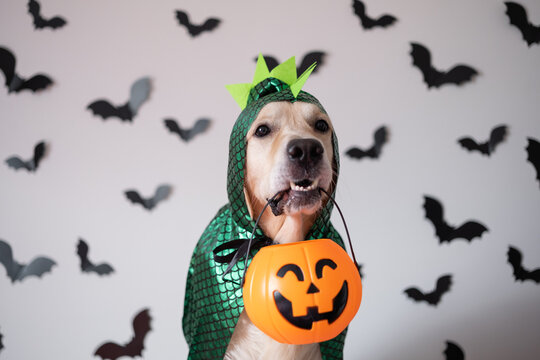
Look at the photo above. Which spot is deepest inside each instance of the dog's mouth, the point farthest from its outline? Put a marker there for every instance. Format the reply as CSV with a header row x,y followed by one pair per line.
x,y
301,196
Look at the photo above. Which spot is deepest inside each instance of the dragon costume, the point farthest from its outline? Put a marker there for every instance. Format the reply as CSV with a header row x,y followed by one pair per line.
x,y
213,302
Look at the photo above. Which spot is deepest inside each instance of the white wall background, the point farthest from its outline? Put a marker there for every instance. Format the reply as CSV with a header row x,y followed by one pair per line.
x,y
366,81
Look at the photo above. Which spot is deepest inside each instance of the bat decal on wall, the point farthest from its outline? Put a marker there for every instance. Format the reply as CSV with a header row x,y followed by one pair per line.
x,y
140,91
498,134
87,265
366,21
445,232
162,192
453,351
195,30
520,273
433,298
16,163
519,18
380,137
307,60
17,271
39,21
16,83
187,134
134,348
458,74
533,155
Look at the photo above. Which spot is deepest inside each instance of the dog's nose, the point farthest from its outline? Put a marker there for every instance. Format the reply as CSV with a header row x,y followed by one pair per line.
x,y
306,152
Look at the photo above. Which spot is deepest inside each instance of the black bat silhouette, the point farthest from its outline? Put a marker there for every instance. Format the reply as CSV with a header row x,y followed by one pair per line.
x,y
487,148
14,82
39,21
453,351
366,21
380,137
141,327
195,30
140,90
30,165
307,60
87,265
533,155
458,75
187,134
433,298
518,17
520,273
446,232
162,192
17,271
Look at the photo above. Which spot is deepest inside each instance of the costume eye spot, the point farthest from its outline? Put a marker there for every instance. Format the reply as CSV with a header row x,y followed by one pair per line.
x,y
322,126
262,131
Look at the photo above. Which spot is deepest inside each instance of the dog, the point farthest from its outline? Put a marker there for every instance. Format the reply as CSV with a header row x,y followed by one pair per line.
x,y
289,151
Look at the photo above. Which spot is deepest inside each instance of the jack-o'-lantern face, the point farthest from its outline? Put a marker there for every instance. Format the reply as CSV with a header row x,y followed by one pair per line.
x,y
303,292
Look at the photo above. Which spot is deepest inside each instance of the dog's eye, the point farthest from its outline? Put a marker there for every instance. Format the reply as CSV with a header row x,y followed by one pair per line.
x,y
262,130
321,126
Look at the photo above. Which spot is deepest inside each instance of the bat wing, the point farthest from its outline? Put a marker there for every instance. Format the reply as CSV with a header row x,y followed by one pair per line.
x,y
135,198
39,152
533,155
162,192
210,24
360,11
140,91
453,351
385,20
200,126
110,351
141,327
310,58
434,212
356,153
35,83
6,259
82,252
55,22
518,17
415,294
443,285
105,109
515,259
16,163
498,134
459,74
7,65
422,60
380,137
36,267
174,128
471,145
183,19
469,231
103,269
34,9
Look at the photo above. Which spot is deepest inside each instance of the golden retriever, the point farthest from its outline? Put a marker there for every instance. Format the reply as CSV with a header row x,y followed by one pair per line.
x,y
289,149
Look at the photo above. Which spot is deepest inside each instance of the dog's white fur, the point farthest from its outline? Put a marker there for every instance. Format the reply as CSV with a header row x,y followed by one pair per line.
x,y
267,172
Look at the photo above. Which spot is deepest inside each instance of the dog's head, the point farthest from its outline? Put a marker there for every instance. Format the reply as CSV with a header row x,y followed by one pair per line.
x,y
282,143
290,151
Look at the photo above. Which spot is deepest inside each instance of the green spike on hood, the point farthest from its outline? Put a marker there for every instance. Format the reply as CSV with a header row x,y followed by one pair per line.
x,y
212,305
284,72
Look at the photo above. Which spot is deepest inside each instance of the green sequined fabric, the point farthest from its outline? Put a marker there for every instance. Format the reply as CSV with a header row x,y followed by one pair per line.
x,y
212,304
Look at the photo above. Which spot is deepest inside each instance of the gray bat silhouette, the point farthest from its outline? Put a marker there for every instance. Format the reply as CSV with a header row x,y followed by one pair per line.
x,y
87,265
162,192
187,134
17,271
140,91
30,165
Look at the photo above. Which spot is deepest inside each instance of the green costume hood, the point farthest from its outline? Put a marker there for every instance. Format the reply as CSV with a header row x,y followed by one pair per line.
x,y
212,303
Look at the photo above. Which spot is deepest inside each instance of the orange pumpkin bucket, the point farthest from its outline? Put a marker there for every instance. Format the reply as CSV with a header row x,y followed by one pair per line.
x,y
303,292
